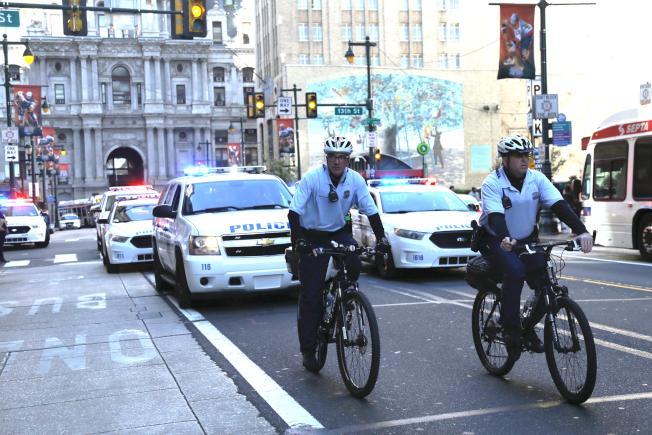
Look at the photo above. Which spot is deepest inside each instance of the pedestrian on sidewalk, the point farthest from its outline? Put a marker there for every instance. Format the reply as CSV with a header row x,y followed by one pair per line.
x,y
3,234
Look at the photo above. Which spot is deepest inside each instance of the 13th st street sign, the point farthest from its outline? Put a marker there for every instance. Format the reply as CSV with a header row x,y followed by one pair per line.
x,y
9,18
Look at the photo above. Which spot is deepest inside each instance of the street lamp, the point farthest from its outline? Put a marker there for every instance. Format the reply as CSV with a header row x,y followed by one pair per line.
x,y
28,57
350,57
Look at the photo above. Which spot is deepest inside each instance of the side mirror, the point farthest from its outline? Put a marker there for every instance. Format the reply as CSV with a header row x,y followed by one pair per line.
x,y
102,221
164,211
473,207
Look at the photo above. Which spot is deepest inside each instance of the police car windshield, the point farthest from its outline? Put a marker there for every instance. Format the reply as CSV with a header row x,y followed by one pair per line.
x,y
20,210
69,217
230,195
130,213
415,201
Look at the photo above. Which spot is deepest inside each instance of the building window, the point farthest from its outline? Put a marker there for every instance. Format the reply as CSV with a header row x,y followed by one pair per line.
x,y
247,90
359,32
103,93
317,59
181,94
404,61
304,59
250,135
316,5
218,96
416,5
59,94
247,75
121,86
457,61
442,5
303,31
245,39
416,33
139,93
346,32
453,4
179,67
359,5
405,32
375,61
218,74
346,5
454,32
303,5
417,61
405,5
221,137
443,31
373,5
217,32
316,32
443,60
373,32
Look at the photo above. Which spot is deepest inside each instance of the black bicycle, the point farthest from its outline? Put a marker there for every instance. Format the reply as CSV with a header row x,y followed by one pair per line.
x,y
568,340
349,321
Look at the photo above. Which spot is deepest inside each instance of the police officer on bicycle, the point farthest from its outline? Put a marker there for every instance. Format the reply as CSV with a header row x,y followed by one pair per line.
x,y
512,196
319,213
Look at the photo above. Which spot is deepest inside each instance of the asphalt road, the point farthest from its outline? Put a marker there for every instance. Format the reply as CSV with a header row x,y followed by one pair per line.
x,y
430,377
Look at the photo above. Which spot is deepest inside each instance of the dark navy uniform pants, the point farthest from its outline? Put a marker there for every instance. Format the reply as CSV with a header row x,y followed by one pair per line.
x,y
312,272
515,269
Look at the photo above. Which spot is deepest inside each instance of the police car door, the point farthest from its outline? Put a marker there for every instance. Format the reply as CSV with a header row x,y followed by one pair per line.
x,y
165,229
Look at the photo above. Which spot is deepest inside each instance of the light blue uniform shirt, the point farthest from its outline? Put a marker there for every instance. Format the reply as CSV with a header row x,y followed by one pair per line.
x,y
311,199
521,218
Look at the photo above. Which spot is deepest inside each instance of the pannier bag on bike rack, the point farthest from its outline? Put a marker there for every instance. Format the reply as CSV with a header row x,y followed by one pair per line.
x,y
480,275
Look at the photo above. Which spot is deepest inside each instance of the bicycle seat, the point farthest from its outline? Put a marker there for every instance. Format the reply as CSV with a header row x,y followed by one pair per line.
x,y
481,274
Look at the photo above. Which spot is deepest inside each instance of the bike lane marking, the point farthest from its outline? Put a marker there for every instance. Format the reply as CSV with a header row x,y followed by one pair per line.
x,y
608,283
605,260
285,406
486,411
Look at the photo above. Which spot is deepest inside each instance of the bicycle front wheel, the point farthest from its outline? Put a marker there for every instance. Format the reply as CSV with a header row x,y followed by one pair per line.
x,y
570,352
358,354
487,334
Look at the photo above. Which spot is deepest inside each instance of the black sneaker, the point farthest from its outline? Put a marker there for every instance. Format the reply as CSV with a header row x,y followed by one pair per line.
x,y
310,361
532,341
512,338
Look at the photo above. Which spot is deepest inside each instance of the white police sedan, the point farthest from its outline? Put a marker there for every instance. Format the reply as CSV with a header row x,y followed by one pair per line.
x,y
427,226
128,238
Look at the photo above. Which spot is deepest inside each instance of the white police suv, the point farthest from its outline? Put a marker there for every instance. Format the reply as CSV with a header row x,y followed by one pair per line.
x,y
128,236
24,223
428,226
222,231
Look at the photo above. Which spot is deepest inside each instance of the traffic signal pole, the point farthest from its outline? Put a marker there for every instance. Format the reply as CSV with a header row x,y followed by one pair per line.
x,y
5,51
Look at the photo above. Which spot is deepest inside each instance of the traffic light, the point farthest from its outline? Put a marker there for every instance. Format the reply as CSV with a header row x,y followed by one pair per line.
x,y
259,104
251,109
311,105
377,155
192,20
197,18
74,19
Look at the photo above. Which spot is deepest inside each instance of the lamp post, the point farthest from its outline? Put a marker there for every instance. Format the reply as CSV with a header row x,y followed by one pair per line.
x,y
350,57
242,144
29,58
207,145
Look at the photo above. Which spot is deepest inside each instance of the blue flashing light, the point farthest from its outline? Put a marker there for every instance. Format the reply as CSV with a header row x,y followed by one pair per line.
x,y
401,182
195,171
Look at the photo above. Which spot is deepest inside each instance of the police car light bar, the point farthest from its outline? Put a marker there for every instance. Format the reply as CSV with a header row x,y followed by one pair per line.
x,y
401,181
141,187
205,170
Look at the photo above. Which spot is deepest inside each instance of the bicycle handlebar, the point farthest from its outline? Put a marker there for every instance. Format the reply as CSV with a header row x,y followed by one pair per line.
x,y
532,248
343,250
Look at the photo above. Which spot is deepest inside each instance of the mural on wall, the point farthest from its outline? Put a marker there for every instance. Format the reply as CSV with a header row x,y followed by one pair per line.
x,y
411,108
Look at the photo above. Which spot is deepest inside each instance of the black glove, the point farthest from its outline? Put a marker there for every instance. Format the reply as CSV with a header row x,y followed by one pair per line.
x,y
383,246
302,246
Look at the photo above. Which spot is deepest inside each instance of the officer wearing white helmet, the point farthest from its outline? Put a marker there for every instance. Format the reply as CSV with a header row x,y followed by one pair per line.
x,y
318,214
512,196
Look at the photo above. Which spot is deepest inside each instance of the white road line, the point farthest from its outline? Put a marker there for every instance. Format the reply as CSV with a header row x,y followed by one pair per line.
x,y
65,258
17,263
631,263
294,415
79,263
281,402
478,412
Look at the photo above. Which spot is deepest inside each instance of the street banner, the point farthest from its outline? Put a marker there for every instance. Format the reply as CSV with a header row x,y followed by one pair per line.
x,y
234,154
516,42
285,128
27,110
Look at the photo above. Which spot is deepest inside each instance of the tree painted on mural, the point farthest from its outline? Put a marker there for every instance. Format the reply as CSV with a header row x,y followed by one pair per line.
x,y
410,108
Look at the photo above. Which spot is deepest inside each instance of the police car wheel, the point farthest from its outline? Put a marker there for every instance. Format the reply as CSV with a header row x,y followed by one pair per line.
x,y
159,283
110,268
385,266
181,288
645,238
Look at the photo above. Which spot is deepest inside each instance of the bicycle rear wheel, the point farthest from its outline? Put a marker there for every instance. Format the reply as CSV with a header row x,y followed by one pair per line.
x,y
358,355
571,356
487,335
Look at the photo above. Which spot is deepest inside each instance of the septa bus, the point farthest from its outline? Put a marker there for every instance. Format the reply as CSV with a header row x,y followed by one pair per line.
x,y
387,167
617,181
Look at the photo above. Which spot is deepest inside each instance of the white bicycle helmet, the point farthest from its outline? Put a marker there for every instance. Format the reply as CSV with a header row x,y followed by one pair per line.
x,y
514,144
338,144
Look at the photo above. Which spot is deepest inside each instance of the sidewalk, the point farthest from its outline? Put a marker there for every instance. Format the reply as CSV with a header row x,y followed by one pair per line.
x,y
82,351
